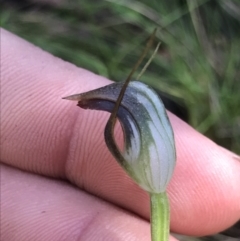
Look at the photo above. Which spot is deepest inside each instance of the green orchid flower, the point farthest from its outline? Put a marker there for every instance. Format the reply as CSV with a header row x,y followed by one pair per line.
x,y
149,155
149,151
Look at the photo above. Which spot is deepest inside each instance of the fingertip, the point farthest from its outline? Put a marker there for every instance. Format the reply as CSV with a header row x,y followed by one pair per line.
x,y
205,190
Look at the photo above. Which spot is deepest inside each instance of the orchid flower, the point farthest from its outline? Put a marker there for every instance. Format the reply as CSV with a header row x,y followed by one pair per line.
x,y
149,154
149,151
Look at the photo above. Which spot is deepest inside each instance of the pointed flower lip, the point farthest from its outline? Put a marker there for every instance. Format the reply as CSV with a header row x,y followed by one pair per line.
x,y
149,154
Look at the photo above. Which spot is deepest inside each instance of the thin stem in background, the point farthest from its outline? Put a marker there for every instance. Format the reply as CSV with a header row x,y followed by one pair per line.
x,y
148,62
112,118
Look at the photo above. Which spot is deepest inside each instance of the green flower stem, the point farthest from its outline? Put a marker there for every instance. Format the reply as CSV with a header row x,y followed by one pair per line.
x,y
159,216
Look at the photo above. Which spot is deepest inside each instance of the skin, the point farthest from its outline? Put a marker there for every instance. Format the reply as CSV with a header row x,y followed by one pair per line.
x,y
59,181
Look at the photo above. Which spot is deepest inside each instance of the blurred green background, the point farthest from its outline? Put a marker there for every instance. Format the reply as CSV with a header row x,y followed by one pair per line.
x,y
197,65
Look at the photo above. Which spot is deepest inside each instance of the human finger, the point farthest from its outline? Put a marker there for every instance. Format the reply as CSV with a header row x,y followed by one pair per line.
x,y
43,134
38,208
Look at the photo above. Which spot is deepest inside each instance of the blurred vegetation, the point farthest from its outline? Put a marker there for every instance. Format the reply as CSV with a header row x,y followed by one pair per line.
x,y
198,63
